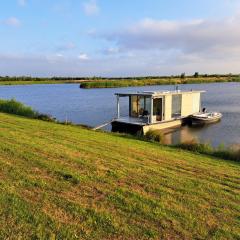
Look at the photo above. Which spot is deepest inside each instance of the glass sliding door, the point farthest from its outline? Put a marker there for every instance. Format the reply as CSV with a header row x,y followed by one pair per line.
x,y
158,109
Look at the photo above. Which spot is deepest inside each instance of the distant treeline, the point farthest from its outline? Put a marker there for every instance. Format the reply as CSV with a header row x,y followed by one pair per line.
x,y
23,78
94,78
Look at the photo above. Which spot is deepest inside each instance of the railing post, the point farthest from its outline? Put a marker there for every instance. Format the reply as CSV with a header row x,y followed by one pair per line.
x,y
151,112
118,107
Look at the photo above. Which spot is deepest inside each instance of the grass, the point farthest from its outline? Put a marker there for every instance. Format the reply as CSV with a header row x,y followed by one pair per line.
x,y
156,81
66,182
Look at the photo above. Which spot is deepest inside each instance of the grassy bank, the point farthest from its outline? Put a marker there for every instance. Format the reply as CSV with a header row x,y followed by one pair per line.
x,y
65,182
156,81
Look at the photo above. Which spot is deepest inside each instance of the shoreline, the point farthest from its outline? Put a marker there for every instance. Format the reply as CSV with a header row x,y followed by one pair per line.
x,y
93,83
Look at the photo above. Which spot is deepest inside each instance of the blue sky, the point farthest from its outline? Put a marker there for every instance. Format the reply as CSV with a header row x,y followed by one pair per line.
x,y
118,38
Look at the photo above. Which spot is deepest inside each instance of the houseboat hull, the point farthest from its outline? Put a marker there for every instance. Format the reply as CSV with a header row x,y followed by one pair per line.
x,y
124,127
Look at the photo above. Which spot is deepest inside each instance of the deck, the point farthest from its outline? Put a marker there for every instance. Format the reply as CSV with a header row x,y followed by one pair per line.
x,y
131,120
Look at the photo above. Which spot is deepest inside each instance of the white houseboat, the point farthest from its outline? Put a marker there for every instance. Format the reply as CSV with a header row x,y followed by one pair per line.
x,y
155,110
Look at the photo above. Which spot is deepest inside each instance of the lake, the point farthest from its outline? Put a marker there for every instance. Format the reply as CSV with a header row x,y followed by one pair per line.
x,y
95,106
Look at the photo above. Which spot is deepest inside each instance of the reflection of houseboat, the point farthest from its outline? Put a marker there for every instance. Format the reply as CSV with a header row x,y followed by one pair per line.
x,y
156,110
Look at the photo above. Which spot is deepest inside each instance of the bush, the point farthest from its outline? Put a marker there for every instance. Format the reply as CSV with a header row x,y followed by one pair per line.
x,y
45,117
183,75
194,146
204,148
14,107
229,154
154,136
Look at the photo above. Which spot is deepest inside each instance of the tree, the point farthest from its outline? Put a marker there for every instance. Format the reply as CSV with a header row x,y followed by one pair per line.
x,y
196,74
183,75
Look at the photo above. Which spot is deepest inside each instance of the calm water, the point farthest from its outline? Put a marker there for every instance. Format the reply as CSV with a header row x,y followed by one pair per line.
x,y
95,106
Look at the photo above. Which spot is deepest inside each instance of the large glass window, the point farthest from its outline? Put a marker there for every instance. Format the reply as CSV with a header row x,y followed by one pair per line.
x,y
140,106
176,105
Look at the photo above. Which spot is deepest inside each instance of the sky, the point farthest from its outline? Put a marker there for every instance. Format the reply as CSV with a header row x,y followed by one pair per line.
x,y
113,38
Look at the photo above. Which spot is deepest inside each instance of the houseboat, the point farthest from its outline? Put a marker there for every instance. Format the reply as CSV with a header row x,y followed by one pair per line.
x,y
144,111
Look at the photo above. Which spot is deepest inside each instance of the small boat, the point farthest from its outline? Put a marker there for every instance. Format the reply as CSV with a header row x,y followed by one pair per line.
x,y
205,117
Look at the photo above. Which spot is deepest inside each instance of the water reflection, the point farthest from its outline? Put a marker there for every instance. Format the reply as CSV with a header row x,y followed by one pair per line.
x,y
187,134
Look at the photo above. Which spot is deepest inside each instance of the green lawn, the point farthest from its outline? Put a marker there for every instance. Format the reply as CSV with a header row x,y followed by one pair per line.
x,y
65,182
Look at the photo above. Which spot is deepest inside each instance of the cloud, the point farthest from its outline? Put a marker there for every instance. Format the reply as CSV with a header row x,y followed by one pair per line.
x,y
22,2
83,56
193,36
91,8
12,21
92,32
112,50
66,46
59,55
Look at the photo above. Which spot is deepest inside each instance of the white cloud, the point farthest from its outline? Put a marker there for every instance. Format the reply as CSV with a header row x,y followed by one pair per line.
x,y
92,32
194,36
66,46
91,8
59,55
169,47
12,21
111,51
22,2
83,56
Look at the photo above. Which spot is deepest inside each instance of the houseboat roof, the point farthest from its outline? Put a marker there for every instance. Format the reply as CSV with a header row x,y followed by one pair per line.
x,y
157,93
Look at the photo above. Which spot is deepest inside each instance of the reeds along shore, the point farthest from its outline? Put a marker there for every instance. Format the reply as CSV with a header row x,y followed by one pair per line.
x,y
109,83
